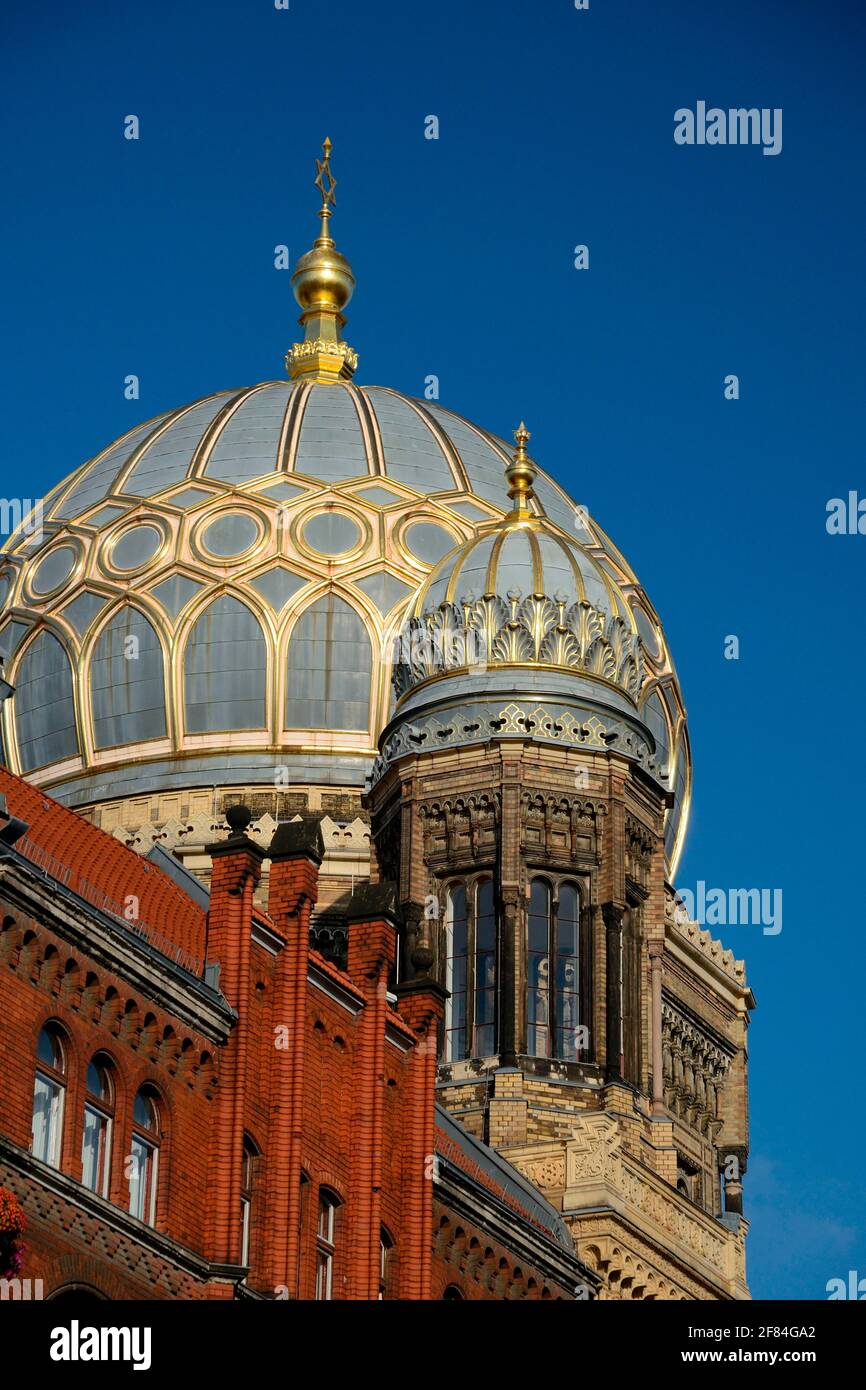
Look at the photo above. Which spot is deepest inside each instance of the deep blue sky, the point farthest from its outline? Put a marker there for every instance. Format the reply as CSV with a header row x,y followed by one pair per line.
x,y
556,128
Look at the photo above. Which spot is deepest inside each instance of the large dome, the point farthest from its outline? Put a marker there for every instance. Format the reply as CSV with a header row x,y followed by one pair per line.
x,y
210,602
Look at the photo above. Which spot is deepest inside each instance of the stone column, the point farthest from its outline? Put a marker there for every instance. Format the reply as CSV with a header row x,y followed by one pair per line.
x,y
613,914
507,983
732,1162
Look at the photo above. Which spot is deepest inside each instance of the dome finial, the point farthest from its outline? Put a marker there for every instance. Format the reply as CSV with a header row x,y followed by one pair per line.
x,y
323,283
326,183
521,473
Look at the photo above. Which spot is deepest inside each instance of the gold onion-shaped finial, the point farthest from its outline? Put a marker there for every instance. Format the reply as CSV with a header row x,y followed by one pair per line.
x,y
521,473
323,283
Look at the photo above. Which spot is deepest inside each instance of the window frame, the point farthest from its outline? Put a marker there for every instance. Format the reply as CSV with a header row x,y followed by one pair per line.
x,y
105,1111
386,1263
326,1244
471,886
251,1153
55,1080
555,883
150,1141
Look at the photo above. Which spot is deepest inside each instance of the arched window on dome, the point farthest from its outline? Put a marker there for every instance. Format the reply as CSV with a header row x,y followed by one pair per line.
x,y
127,687
225,669
44,704
553,982
330,665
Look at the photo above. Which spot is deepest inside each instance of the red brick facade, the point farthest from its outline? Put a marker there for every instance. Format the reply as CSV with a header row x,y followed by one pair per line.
x,y
279,1082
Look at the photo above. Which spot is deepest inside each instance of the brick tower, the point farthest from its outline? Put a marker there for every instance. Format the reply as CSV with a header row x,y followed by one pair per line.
x,y
523,800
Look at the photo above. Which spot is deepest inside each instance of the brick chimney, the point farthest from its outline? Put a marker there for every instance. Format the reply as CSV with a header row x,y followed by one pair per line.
x,y
421,1002
373,924
237,866
296,853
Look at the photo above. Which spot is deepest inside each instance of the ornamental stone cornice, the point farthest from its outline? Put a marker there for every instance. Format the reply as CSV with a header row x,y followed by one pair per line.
x,y
497,631
600,1177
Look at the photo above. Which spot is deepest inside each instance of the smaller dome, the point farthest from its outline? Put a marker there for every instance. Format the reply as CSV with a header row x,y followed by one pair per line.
x,y
520,593
523,561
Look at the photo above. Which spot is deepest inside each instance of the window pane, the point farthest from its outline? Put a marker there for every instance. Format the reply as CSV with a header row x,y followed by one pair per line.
x,y
324,1264
326,1219
142,1179
49,1050
144,1111
330,665
485,971
98,1084
457,946
568,974
245,1231
94,1150
126,682
225,669
538,970
47,1115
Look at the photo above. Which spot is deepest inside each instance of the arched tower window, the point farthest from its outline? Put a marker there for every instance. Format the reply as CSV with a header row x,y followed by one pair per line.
x,y
553,972
485,970
225,669
44,704
330,664
456,971
126,682
470,970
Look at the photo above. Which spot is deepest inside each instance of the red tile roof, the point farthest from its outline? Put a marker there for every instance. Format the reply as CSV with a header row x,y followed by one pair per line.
x,y
102,870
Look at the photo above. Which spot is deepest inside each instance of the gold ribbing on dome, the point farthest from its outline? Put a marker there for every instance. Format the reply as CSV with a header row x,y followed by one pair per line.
x,y
323,283
521,474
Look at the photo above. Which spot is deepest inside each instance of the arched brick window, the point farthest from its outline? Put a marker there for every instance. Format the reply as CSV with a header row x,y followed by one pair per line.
x,y
49,1095
98,1126
386,1264
248,1174
144,1158
327,1235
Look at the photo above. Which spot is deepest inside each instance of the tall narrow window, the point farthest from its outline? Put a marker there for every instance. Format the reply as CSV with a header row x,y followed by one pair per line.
x,y
484,1023
96,1140
538,970
568,973
553,972
330,663
326,1233
144,1159
457,960
247,1172
386,1250
49,1091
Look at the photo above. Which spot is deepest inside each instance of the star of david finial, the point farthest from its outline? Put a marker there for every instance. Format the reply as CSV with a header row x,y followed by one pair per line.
x,y
325,181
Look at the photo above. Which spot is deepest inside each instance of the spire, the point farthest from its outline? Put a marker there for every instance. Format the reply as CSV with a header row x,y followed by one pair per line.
x,y
521,474
323,283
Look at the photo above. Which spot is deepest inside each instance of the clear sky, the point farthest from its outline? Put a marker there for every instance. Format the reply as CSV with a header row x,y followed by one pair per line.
x,y
156,257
